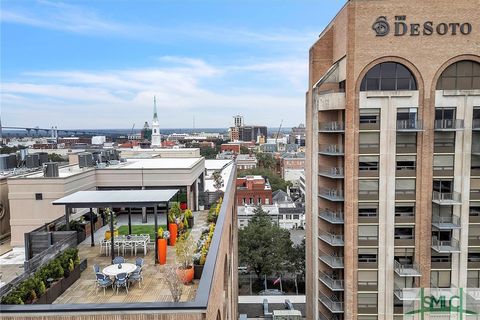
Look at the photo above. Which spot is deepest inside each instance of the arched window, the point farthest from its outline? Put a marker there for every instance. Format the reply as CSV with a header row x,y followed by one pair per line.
x,y
388,76
461,75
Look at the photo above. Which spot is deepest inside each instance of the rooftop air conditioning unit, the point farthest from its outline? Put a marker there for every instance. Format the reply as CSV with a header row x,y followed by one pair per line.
x,y
85,160
32,160
50,170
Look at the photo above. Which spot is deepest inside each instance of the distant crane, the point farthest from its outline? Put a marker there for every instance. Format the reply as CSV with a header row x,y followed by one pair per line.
x,y
278,132
131,132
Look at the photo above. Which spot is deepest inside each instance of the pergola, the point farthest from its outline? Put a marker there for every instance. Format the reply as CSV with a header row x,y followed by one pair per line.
x,y
118,198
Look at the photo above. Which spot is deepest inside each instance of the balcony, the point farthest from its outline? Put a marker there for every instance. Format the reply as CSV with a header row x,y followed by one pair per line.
x,y
446,222
330,101
369,148
446,198
331,150
445,246
331,127
331,303
333,217
332,283
405,194
407,269
335,240
333,261
406,294
331,194
449,125
409,125
321,316
331,172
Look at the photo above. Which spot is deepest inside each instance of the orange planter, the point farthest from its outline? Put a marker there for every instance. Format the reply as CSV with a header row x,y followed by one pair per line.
x,y
173,229
185,275
162,251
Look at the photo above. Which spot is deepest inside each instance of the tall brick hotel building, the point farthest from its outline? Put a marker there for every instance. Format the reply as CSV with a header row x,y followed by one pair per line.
x,y
393,156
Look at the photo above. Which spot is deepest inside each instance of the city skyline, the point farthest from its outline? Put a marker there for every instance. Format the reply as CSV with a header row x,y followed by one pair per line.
x,y
81,59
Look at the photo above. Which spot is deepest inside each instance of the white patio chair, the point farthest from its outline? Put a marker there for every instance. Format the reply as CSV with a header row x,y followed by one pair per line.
x,y
128,244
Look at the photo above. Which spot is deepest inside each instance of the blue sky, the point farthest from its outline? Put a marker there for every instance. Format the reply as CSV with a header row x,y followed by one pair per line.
x,y
98,64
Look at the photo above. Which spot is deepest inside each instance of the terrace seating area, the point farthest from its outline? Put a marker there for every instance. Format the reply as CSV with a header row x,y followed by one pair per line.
x,y
147,286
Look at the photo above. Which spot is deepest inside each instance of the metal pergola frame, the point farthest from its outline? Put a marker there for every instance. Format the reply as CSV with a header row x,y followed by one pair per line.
x,y
117,198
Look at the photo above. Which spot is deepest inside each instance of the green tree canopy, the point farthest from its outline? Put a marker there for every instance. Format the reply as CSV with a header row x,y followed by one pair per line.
x,y
266,160
263,246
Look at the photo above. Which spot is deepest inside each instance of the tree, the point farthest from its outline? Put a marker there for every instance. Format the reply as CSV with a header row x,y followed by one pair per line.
x,y
208,152
263,246
55,157
244,150
266,161
297,260
217,180
276,182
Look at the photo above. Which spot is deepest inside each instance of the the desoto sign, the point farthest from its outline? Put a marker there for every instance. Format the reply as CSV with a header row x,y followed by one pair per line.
x,y
401,27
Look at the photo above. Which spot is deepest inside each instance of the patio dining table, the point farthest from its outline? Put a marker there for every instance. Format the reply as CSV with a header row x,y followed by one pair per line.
x,y
114,270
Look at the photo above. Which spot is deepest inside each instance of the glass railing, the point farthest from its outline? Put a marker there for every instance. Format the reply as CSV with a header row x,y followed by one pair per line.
x,y
332,126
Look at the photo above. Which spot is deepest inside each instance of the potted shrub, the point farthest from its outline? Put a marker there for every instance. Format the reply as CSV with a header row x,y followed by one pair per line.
x,y
184,250
162,245
189,217
174,213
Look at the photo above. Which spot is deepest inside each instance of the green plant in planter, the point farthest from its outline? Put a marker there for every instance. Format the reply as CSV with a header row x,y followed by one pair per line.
x,y
185,248
185,222
175,211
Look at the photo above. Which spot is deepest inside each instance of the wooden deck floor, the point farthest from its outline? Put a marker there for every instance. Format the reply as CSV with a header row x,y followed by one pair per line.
x,y
154,288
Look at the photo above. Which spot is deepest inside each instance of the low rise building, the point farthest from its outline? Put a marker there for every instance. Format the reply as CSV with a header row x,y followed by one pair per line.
x,y
292,166
253,190
246,161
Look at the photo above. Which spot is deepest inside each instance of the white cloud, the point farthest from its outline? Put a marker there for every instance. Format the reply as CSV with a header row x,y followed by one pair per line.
x,y
185,87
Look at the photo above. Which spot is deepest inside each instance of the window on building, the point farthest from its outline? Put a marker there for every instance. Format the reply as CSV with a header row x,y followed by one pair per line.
x,y
367,232
407,116
244,200
267,201
368,163
405,186
406,162
404,209
38,196
388,76
289,217
474,255
252,201
366,302
404,255
461,75
369,139
367,210
367,255
476,115
296,217
473,279
259,200
440,279
404,233
369,119
443,162
368,189
443,185
406,140
445,114
440,258
444,142
367,278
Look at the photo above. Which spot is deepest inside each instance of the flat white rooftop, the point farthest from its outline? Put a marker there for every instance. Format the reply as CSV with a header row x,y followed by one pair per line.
x,y
211,164
159,163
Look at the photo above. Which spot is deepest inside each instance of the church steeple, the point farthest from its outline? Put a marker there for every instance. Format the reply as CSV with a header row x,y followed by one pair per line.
x,y
156,138
155,107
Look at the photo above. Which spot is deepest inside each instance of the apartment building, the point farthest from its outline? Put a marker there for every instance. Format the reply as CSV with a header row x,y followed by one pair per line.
x,y
393,156
253,190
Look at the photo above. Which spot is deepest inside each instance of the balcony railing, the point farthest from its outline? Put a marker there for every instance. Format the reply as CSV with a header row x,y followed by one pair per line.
x,y
445,246
409,125
331,303
331,150
333,261
331,172
446,198
331,194
321,316
446,222
334,217
449,125
407,269
330,282
335,240
406,294
331,127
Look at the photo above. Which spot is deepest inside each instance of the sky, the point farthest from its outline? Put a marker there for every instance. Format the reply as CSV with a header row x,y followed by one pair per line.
x,y
98,64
